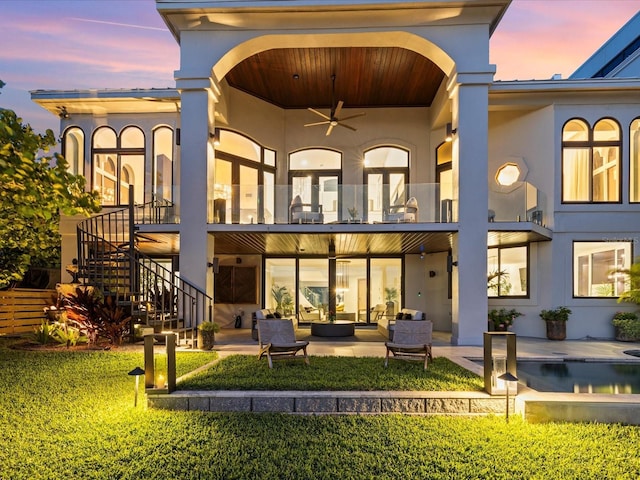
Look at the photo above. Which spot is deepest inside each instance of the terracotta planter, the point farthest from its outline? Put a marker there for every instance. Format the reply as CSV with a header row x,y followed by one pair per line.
x,y
556,329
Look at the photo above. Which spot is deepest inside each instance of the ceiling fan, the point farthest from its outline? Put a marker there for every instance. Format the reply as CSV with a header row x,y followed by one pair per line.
x,y
333,119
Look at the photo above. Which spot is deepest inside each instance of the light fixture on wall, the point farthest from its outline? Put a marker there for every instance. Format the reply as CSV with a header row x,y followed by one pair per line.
x,y
62,112
342,275
216,136
450,132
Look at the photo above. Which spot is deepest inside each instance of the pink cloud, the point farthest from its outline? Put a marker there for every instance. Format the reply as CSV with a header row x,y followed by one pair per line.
x,y
537,39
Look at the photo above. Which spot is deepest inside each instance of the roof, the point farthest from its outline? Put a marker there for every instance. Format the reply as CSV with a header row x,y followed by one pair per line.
x,y
616,53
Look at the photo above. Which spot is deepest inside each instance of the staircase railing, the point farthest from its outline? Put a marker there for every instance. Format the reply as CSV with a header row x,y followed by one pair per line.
x,y
108,259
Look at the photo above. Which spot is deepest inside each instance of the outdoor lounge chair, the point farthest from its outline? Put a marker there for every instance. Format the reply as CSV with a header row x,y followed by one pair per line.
x,y
277,340
405,212
411,340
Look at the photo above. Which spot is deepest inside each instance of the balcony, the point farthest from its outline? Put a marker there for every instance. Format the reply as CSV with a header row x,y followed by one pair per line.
x,y
327,204
350,204
519,202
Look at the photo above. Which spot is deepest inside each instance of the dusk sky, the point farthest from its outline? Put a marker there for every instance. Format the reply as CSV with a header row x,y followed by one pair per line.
x,y
82,44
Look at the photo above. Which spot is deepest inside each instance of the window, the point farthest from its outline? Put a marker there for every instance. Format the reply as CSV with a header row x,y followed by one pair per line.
x,y
314,175
634,160
508,272
386,175
596,268
163,163
243,190
73,150
118,162
591,161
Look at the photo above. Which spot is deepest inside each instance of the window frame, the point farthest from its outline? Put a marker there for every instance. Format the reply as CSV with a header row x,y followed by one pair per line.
x,y
574,277
591,145
499,248
118,152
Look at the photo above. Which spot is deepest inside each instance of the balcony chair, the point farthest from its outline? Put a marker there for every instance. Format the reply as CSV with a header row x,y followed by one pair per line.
x,y
406,212
411,340
302,213
277,340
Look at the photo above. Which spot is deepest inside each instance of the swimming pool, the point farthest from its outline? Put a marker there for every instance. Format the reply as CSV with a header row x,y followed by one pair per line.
x,y
580,376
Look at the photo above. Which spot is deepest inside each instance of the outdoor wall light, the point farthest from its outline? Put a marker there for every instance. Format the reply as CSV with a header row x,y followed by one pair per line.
x,y
450,132
62,112
216,136
136,372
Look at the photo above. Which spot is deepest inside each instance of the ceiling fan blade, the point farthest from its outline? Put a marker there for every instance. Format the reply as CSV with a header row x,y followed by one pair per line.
x,y
319,113
336,114
346,126
316,123
351,116
329,130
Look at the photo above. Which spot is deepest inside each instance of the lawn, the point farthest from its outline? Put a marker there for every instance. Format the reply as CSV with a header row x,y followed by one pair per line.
x,y
71,415
245,372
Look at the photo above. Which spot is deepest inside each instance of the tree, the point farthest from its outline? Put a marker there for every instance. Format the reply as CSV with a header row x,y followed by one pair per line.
x,y
34,189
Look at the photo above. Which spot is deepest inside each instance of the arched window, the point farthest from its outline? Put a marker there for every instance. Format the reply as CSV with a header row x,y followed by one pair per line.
x,y
634,161
386,178
117,162
314,175
163,163
591,162
73,150
244,184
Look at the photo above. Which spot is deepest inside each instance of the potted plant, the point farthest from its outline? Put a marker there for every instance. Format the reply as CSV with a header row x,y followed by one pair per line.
x,y
500,320
556,320
391,295
353,213
281,296
627,326
207,334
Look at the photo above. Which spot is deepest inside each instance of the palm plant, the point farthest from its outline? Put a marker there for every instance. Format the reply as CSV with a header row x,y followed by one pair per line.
x,y
632,295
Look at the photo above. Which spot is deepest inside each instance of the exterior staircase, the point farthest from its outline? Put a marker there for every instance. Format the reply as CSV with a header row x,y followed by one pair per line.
x,y
156,297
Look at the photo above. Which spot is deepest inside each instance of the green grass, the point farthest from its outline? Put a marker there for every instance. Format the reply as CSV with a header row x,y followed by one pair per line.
x,y
70,415
245,372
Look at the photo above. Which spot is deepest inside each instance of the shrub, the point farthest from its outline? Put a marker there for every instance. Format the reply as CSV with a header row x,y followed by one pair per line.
x,y
45,333
560,314
503,317
627,326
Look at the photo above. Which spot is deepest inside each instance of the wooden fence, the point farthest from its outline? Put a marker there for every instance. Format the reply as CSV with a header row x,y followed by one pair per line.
x,y
21,310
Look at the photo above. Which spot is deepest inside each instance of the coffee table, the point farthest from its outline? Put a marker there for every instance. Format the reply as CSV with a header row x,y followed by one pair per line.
x,y
339,328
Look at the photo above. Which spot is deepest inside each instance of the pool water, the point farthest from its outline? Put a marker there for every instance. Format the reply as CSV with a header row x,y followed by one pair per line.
x,y
580,377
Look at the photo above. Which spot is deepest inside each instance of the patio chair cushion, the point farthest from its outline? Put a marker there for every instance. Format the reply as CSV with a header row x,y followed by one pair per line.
x,y
277,340
412,340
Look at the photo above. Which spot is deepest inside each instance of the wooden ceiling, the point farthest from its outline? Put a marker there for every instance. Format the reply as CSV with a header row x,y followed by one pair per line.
x,y
387,242
365,77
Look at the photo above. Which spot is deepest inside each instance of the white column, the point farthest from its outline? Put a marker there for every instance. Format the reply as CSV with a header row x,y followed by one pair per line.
x,y
196,169
469,93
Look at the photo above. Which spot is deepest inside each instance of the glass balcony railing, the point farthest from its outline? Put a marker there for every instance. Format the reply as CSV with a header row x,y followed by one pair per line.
x,y
357,204
519,202
328,204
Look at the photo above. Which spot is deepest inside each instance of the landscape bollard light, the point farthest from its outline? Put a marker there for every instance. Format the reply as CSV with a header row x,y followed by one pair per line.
x,y
136,372
508,378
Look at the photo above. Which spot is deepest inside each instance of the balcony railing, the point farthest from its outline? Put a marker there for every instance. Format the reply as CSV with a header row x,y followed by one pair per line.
x,y
519,202
331,203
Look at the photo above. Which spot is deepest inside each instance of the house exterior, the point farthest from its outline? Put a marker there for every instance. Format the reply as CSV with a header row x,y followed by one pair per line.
x,y
327,158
